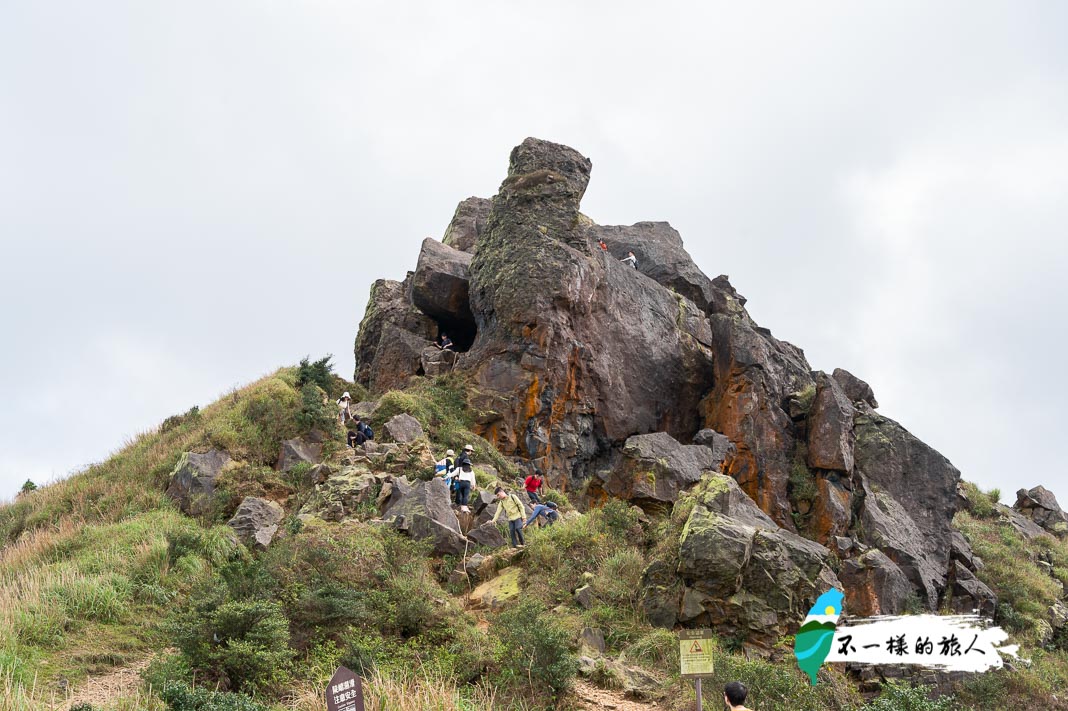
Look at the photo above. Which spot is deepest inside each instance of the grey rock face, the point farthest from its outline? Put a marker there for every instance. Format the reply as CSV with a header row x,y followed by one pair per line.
x,y
403,428
655,468
296,451
389,304
830,427
398,358
874,585
467,224
192,483
256,521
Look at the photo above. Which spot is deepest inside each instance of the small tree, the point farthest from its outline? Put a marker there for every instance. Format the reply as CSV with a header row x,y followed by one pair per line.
x,y
320,372
28,487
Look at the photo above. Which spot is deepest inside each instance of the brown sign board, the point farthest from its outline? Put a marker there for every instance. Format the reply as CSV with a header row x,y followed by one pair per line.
x,y
344,692
695,653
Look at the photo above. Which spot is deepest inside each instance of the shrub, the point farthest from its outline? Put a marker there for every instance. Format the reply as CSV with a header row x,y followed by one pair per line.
x,y
28,486
533,648
242,645
318,373
896,696
180,697
192,415
314,413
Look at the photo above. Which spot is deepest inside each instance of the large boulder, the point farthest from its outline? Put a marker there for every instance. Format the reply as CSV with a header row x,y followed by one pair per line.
x,y
721,446
655,469
256,521
298,451
855,389
403,428
344,494
741,573
1040,505
425,513
390,305
436,361
192,481
399,357
830,427
467,224
440,290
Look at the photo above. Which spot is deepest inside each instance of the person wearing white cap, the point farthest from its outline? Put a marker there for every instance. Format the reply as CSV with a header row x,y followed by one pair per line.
x,y
343,403
465,456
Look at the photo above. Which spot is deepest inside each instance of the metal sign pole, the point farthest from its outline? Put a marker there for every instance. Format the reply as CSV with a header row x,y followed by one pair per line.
x,y
700,706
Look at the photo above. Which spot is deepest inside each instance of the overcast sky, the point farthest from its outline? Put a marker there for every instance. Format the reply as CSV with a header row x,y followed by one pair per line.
x,y
193,194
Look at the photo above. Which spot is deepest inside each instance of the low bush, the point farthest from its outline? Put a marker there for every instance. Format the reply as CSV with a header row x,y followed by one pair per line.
x,y
180,697
897,696
534,649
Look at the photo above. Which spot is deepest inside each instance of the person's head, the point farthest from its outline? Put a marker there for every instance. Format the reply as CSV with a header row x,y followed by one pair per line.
x,y
357,419
444,335
499,493
346,396
466,467
552,505
630,254
734,693
469,449
450,453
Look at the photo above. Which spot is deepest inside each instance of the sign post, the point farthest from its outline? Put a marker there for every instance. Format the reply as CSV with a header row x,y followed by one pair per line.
x,y
344,692
695,657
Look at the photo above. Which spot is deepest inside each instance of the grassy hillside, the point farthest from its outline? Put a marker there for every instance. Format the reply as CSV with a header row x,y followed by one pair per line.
x,y
103,572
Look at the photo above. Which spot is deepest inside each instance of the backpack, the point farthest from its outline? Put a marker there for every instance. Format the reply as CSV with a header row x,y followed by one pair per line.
x,y
368,432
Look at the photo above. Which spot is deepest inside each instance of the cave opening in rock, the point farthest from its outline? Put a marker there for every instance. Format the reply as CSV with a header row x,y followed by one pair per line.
x,y
461,331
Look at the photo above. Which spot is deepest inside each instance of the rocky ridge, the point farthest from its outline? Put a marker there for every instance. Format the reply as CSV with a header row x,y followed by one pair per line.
x,y
602,375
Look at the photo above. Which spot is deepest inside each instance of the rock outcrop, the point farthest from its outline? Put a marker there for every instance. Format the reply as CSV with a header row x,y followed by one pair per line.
x,y
424,512
192,482
298,451
256,521
403,428
1040,505
572,357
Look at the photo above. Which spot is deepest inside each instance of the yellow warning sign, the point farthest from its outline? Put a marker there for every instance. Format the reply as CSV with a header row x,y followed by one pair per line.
x,y
695,652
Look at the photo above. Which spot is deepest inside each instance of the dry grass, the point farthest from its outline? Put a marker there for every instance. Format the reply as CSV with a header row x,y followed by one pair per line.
x,y
409,693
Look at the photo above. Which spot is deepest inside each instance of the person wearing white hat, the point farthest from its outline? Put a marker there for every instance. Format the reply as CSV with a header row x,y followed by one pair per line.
x,y
343,403
465,456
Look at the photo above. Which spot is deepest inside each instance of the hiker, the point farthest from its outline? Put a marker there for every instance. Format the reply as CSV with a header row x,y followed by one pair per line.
x,y
734,695
465,456
465,482
445,343
361,432
602,245
512,506
533,484
343,404
446,466
630,259
352,439
547,511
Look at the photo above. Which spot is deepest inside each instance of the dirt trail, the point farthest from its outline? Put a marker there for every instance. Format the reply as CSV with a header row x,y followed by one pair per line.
x,y
590,697
104,688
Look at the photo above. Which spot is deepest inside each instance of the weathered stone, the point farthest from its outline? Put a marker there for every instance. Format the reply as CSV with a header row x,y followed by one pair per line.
x,y
721,447
1040,505
389,305
591,641
425,513
488,535
855,389
436,361
655,468
832,511
317,474
256,521
467,224
398,358
403,428
660,595
493,594
830,427
440,288
344,494
192,482
874,585
584,596
297,451
967,593
1023,525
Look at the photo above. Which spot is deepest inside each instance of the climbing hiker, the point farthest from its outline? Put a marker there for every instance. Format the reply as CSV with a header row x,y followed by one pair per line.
x,y
465,456
533,484
465,482
512,506
734,694
445,343
602,245
630,259
344,411
352,439
362,431
446,466
547,511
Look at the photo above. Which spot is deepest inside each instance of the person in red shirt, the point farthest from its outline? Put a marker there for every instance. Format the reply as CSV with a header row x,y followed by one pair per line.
x,y
534,484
